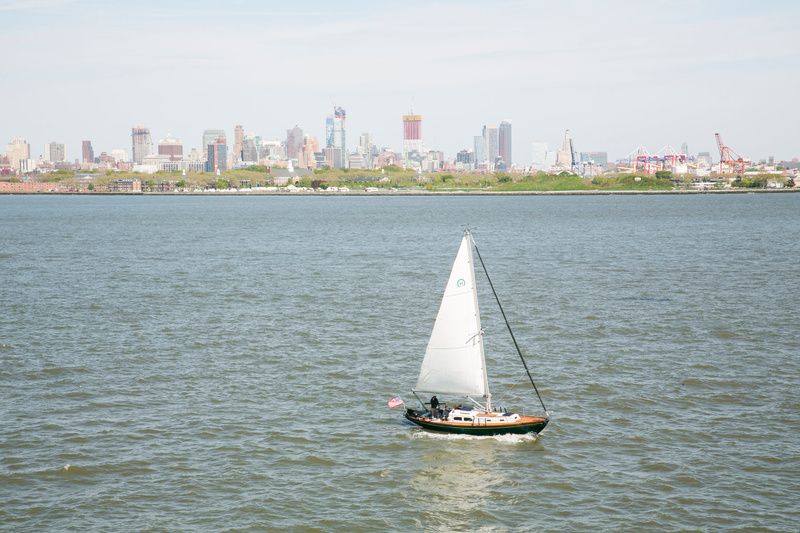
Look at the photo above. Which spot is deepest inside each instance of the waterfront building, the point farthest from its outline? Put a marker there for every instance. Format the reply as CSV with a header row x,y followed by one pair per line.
x,y
366,148
16,151
340,133
596,159
54,152
504,142
364,143
310,149
333,157
217,156
550,160
141,142
87,151
272,151
27,165
386,158
125,185
328,131
249,150
294,144
238,141
171,147
119,155
479,150
163,163
356,160
466,159
704,159
492,137
336,135
412,135
154,162
336,138
564,156
210,137
432,161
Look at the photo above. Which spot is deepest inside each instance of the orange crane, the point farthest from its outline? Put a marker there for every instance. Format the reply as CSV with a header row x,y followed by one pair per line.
x,y
729,160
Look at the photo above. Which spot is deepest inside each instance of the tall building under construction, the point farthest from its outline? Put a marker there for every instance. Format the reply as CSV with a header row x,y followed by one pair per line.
x,y
142,143
412,135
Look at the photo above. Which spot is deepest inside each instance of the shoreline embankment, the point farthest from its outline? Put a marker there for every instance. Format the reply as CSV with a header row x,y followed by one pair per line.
x,y
322,193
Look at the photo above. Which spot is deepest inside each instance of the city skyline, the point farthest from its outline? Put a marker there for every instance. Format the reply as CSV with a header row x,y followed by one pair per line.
x,y
618,77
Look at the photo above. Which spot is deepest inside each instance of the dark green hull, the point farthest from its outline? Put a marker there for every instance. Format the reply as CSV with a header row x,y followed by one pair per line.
x,y
505,429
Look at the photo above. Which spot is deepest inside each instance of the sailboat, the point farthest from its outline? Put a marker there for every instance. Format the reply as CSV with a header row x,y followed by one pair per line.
x,y
454,365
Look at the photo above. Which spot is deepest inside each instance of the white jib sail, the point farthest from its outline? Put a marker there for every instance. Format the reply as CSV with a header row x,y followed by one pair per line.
x,y
454,361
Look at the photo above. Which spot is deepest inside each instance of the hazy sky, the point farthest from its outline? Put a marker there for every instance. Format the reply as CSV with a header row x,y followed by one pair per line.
x,y
617,74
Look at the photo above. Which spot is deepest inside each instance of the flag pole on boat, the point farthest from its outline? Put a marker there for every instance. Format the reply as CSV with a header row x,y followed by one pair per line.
x,y
513,338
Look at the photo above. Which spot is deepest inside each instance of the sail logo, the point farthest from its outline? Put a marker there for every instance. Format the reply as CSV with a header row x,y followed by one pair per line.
x,y
460,282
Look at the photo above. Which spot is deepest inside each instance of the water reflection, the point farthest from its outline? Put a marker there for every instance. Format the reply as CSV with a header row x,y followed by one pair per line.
x,y
454,481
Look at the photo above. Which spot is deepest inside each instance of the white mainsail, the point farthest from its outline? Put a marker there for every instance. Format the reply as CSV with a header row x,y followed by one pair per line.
x,y
454,360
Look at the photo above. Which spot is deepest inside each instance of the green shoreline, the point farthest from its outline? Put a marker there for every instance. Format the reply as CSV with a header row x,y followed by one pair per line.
x,y
213,193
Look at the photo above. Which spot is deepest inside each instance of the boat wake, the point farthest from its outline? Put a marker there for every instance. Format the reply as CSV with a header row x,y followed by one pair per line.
x,y
509,438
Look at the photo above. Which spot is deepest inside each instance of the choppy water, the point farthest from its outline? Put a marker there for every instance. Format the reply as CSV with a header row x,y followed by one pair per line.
x,y
185,363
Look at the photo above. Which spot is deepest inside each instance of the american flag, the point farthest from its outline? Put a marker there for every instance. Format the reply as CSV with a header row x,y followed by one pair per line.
x,y
394,402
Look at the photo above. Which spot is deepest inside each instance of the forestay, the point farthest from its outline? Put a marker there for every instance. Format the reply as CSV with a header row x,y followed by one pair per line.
x,y
454,360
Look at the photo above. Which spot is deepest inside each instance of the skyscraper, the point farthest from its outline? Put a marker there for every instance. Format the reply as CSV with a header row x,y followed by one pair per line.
x,y
412,135
294,143
210,137
340,132
217,156
492,144
310,148
238,137
329,131
54,152
564,157
142,143
336,137
480,149
365,148
505,142
87,151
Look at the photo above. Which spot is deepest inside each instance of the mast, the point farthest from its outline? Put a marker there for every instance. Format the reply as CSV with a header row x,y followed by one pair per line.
x,y
488,395
513,338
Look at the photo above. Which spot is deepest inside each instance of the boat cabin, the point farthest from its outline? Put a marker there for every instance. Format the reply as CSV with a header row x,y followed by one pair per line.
x,y
468,415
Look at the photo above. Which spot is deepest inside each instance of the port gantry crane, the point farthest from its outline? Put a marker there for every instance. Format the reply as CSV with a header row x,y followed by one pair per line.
x,y
729,160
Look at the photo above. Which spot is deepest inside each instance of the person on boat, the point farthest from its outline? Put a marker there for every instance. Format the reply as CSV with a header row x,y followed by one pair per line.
x,y
434,407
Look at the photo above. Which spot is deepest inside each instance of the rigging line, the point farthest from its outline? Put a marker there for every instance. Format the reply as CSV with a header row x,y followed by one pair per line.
x,y
513,338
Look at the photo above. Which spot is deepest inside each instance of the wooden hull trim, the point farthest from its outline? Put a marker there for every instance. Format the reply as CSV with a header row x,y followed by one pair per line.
x,y
526,424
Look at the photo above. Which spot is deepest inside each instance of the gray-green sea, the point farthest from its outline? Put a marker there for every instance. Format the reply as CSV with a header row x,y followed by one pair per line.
x,y
215,364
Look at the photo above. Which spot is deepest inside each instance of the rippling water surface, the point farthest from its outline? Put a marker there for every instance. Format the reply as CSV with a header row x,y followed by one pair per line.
x,y
184,363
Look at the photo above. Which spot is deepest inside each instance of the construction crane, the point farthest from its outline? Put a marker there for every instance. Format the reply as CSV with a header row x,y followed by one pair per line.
x,y
573,163
729,160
